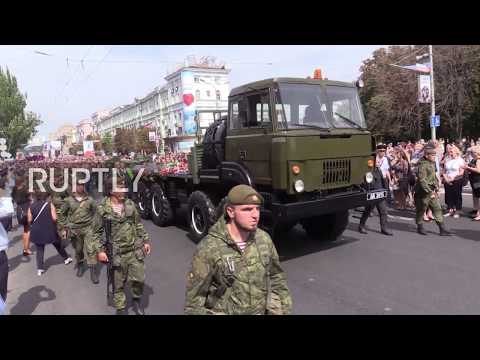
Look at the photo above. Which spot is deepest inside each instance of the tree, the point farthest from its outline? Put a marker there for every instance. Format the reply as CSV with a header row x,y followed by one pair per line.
x,y
142,141
107,143
390,94
75,148
124,140
16,125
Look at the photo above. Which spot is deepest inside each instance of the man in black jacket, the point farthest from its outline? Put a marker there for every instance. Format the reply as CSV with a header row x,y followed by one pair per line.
x,y
379,182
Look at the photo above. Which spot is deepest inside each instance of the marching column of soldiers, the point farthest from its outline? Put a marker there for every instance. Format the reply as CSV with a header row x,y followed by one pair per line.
x,y
236,268
80,222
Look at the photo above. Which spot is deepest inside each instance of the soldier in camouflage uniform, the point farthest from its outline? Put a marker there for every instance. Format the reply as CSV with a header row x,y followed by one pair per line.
x,y
75,220
130,246
236,269
426,193
58,197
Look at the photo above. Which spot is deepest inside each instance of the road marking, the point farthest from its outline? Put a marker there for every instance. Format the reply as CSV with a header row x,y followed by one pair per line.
x,y
400,217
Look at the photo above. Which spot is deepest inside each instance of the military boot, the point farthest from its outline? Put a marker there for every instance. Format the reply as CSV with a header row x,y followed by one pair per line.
x,y
443,231
384,225
421,230
361,229
122,312
93,274
385,231
139,309
80,269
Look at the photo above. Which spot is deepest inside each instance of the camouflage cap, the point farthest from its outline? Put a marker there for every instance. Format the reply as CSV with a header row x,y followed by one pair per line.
x,y
244,195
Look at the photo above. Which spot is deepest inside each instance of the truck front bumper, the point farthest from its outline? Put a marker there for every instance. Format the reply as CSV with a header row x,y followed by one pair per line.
x,y
326,205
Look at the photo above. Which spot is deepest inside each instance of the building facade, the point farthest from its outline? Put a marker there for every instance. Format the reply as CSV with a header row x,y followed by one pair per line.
x,y
97,118
84,129
173,108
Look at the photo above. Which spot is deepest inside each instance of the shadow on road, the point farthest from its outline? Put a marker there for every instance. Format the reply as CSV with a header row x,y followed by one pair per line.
x,y
296,243
467,234
147,293
53,260
14,262
15,240
29,300
374,227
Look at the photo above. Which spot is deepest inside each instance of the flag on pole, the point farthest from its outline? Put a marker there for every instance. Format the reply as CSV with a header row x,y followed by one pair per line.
x,y
423,68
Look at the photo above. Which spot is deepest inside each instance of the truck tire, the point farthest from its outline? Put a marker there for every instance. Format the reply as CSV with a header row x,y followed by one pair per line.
x,y
142,201
214,144
162,212
326,227
281,230
201,215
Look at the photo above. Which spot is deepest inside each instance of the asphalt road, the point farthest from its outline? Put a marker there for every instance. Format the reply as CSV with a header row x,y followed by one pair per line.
x,y
359,274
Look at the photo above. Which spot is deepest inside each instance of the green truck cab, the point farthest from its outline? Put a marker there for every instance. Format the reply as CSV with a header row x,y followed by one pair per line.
x,y
302,143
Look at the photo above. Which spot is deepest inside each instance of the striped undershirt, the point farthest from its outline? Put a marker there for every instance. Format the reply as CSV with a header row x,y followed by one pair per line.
x,y
241,245
117,208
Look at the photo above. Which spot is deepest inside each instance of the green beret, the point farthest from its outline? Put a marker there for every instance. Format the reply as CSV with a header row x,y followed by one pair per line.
x,y
429,151
244,195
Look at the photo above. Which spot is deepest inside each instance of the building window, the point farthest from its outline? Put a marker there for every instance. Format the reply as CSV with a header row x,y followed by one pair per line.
x,y
196,79
197,94
208,93
218,94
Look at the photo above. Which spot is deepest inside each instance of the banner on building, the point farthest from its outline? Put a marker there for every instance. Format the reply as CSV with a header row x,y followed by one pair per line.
x,y
151,136
88,149
424,89
189,121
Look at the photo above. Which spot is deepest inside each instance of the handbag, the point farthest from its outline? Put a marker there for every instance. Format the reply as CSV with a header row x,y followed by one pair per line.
x,y
465,179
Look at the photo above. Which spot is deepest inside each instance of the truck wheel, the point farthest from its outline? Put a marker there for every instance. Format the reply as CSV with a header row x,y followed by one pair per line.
x,y
162,212
141,198
201,215
280,230
327,227
220,210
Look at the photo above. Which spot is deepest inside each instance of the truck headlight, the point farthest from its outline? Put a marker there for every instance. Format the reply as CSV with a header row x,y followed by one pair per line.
x,y
299,186
369,177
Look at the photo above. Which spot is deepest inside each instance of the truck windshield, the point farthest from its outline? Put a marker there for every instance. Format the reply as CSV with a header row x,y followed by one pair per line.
x,y
316,106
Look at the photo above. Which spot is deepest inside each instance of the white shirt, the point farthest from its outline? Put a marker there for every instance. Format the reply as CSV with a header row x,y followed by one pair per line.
x,y
382,163
452,167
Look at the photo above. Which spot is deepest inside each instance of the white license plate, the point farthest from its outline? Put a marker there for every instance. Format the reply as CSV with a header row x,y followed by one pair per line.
x,y
376,195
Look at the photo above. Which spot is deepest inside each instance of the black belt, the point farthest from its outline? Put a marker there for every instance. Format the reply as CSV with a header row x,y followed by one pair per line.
x,y
125,251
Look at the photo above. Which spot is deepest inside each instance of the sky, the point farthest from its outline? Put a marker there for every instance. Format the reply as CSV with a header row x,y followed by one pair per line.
x,y
65,91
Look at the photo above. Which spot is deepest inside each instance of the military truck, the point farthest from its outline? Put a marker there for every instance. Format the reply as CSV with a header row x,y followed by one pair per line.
x,y
302,143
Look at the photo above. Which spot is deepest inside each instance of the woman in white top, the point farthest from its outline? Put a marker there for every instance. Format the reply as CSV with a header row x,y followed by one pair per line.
x,y
453,180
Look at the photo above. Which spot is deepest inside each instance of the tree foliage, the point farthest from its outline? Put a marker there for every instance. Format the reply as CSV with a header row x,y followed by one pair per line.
x,y
107,143
127,140
143,143
16,125
390,93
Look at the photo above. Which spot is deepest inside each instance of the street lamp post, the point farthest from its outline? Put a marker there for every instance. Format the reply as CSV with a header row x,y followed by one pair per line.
x,y
433,128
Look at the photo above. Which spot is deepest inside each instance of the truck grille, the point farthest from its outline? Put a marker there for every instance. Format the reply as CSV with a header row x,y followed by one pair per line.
x,y
336,172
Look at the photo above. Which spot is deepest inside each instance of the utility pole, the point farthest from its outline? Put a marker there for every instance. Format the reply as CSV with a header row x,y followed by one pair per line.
x,y
432,85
